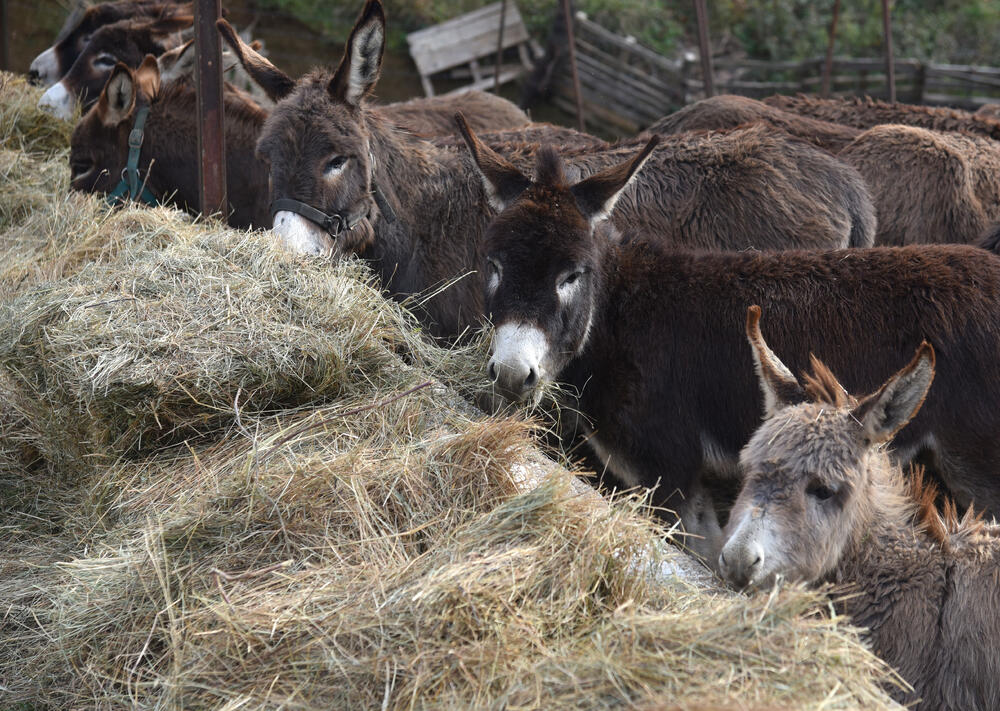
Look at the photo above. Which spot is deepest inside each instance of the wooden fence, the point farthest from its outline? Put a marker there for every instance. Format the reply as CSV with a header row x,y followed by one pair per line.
x,y
626,86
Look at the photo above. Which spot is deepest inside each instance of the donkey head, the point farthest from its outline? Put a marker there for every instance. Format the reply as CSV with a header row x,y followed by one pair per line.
x,y
99,145
317,144
808,469
127,41
543,261
50,66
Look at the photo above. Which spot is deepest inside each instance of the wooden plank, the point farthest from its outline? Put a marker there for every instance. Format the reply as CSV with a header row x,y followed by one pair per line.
x,y
488,13
469,36
634,79
587,48
209,106
588,26
487,82
4,37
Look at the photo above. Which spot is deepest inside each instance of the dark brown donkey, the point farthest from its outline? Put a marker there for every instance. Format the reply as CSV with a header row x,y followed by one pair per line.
x,y
867,112
168,158
127,41
822,502
52,64
645,339
330,151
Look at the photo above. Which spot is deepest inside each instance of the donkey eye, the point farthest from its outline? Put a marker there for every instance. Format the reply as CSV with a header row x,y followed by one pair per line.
x,y
334,164
572,277
105,61
820,491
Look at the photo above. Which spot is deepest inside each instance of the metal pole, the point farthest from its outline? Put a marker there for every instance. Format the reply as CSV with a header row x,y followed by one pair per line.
x,y
828,65
706,51
211,132
571,38
4,39
503,21
890,67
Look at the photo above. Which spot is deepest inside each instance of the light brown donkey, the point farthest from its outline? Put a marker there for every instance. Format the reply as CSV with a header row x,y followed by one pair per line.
x,y
821,502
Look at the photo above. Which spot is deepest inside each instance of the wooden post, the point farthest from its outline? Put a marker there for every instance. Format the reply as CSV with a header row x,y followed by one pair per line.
x,y
211,132
571,38
496,72
828,65
4,37
890,68
706,51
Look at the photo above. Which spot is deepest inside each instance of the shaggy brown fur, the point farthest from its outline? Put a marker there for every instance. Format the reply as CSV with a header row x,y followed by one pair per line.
x,y
743,189
729,111
434,116
989,111
867,112
928,186
822,502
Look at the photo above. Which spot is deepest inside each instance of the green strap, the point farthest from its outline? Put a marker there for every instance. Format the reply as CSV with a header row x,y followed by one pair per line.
x,y
129,187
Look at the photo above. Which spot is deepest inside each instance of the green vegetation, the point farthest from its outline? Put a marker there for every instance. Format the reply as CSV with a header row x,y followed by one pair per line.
x,y
958,31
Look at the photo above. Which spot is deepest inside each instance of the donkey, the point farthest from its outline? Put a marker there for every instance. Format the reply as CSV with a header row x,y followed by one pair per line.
x,y
167,162
867,112
416,211
53,63
822,502
991,110
638,335
952,187
127,41
728,111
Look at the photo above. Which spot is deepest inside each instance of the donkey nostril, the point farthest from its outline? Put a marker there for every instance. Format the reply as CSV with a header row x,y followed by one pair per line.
x,y
532,378
492,371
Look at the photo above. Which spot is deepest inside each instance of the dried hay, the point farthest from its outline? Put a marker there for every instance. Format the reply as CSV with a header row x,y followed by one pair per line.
x,y
223,486
23,126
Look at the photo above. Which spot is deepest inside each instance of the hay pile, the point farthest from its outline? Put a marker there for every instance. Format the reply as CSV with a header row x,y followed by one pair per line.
x,y
232,478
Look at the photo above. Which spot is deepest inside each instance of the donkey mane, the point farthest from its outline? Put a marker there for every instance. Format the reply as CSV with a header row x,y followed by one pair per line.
x,y
821,386
943,525
549,167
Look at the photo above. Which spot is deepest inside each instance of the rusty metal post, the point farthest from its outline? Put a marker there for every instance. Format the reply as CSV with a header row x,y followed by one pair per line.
x,y
211,132
496,72
706,51
890,66
571,38
4,37
828,65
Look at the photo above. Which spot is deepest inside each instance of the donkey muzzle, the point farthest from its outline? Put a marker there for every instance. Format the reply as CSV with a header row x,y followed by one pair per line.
x,y
516,365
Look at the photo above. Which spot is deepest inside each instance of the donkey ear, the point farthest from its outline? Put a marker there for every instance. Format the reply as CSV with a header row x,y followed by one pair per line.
x,y
275,83
885,412
147,77
118,96
178,62
596,196
502,181
779,386
362,62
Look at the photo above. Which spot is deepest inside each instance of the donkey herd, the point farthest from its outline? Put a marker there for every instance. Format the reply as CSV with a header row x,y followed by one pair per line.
x,y
628,283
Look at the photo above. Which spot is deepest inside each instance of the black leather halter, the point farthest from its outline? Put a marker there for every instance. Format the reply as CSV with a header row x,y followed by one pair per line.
x,y
336,223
